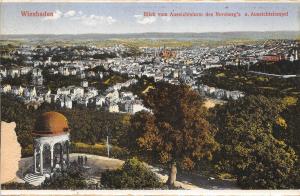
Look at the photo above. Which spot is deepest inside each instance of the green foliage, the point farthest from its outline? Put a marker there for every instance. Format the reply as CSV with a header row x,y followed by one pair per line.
x,y
289,101
27,151
12,110
142,84
104,56
54,82
281,67
9,61
249,149
176,132
99,149
296,176
133,175
18,186
250,83
18,81
133,50
290,134
91,126
72,178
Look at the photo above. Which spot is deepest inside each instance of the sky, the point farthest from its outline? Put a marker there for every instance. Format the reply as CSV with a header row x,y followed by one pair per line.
x,y
109,18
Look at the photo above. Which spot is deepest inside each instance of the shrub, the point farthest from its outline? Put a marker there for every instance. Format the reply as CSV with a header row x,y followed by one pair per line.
x,y
18,186
72,178
133,175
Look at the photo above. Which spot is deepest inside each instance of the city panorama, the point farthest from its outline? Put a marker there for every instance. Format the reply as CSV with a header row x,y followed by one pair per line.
x,y
116,100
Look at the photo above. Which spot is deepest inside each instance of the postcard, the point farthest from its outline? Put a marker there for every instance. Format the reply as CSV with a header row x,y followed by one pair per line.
x,y
150,97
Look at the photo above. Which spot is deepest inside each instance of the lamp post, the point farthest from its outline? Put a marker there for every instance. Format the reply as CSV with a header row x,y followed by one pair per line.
x,y
107,141
107,145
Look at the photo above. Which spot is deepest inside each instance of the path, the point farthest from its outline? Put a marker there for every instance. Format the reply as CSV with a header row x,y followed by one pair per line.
x,y
99,164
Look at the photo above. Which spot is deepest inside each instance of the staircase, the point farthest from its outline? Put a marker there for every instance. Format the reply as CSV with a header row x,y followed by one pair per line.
x,y
34,179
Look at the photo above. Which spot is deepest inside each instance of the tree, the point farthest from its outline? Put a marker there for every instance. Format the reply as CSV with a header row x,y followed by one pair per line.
x,y
286,128
288,124
177,133
249,149
133,175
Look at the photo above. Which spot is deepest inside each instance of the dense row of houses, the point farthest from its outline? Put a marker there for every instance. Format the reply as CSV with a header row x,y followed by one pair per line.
x,y
218,93
112,100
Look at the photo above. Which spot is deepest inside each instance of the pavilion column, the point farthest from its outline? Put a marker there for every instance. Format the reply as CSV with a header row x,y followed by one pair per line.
x,y
34,160
51,153
41,159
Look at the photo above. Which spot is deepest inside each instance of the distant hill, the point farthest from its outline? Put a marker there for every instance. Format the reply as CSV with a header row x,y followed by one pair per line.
x,y
217,36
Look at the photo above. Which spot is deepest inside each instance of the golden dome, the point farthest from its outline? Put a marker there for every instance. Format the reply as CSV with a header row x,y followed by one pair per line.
x,y
51,123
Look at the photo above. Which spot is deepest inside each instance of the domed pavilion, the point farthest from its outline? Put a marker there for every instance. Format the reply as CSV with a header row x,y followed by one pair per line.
x,y
51,137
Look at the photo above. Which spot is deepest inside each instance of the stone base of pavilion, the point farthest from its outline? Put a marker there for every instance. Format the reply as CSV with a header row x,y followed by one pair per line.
x,y
94,167
37,178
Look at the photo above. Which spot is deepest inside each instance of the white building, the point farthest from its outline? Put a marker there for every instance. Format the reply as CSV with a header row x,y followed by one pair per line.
x,y
113,107
37,77
63,91
18,91
99,101
112,96
134,106
84,83
14,72
6,88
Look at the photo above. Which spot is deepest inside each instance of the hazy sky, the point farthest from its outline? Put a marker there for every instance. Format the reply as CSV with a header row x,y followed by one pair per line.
x,y
77,18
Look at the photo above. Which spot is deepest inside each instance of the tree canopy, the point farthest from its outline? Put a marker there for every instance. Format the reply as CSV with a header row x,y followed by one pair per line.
x,y
281,67
249,149
176,132
288,124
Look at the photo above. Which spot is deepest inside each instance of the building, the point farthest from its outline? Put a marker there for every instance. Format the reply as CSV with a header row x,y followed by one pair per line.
x,y
25,70
37,77
38,81
112,107
3,72
134,106
14,72
272,58
112,96
65,101
36,72
99,100
166,54
64,71
84,83
30,92
6,88
51,137
293,56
